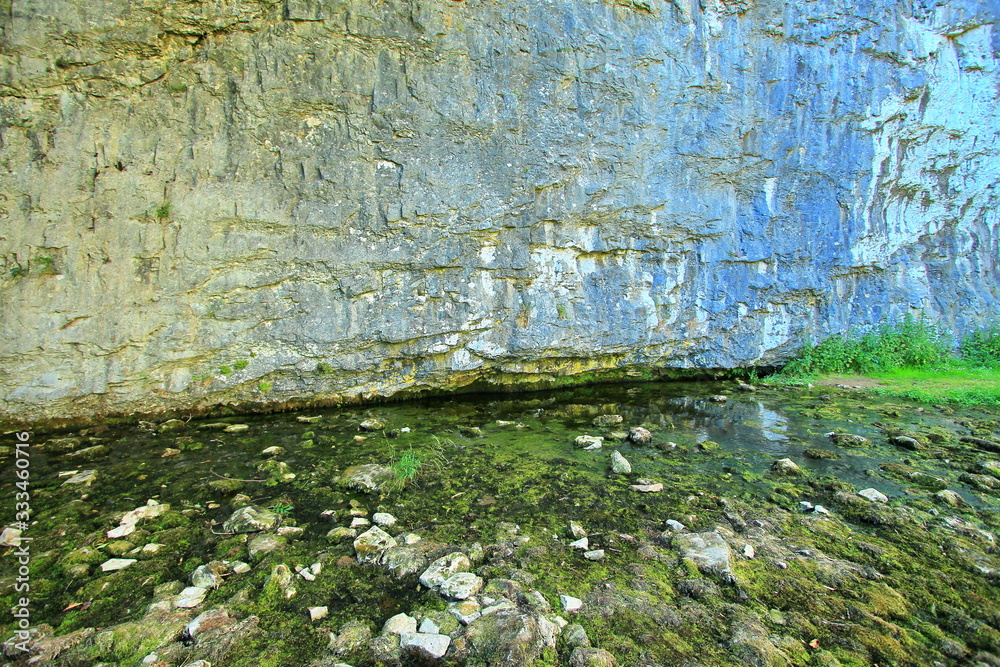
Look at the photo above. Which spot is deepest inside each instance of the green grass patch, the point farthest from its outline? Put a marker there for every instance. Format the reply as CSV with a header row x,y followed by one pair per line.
x,y
913,359
952,383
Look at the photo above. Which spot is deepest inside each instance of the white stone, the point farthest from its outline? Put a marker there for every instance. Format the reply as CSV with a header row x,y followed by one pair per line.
x,y
874,495
116,564
411,539
444,567
425,645
399,624
121,531
317,613
236,428
576,529
316,568
429,627
85,477
152,548
748,551
307,575
676,526
589,440
10,537
647,488
290,531
596,554
383,519
274,450
239,567
461,586
360,522
192,596
819,509
570,603
582,543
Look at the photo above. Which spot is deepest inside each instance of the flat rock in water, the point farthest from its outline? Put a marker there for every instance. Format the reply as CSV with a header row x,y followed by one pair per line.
x,y
265,544
786,467
85,477
236,428
402,561
849,439
706,550
366,477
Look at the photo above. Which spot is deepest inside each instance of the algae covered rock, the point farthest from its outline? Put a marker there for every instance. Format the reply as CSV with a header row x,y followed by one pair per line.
x,y
510,638
640,436
443,568
708,551
250,519
369,545
366,477
591,657
619,464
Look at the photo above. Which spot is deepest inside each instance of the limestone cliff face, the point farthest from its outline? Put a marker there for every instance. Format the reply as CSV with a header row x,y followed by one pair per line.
x,y
266,201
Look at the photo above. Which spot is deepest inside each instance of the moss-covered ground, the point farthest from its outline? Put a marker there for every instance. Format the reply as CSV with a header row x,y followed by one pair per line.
x,y
915,580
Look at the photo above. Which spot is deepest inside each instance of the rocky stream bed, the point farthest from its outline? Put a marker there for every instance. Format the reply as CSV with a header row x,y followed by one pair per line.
x,y
654,524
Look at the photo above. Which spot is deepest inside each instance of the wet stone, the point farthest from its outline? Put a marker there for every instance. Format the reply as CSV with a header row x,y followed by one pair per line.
x,y
369,545
604,421
114,564
399,624
250,519
461,586
708,551
589,441
192,596
786,467
570,603
640,436
85,477
367,477
848,439
424,645
619,464
595,555
266,543
874,495
443,568
591,657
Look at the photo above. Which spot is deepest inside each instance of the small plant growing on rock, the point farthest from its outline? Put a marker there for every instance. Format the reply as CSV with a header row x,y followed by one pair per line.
x,y
241,364
162,211
265,387
226,370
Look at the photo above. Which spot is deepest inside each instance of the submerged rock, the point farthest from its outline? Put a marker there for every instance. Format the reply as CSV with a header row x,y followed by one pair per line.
x,y
250,519
786,467
366,477
85,477
848,439
460,586
708,551
604,421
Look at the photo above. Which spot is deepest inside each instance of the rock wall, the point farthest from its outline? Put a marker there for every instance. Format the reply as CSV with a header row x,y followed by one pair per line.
x,y
269,201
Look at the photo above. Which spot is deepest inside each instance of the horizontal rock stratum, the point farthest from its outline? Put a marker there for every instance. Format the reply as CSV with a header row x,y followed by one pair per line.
x,y
319,200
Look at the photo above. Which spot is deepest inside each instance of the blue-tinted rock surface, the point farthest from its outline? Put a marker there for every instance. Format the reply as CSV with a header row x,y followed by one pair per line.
x,y
276,201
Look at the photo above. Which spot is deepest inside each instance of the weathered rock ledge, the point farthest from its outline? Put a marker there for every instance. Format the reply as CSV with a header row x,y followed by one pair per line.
x,y
266,203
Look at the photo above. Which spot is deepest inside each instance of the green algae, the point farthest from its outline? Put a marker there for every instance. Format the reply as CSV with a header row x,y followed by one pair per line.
x,y
877,583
